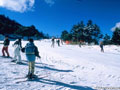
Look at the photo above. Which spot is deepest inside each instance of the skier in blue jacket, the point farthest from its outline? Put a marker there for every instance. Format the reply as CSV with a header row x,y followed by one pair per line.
x,y
31,52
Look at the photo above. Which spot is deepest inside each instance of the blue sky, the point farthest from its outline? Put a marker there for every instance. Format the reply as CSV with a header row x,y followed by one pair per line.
x,y
54,16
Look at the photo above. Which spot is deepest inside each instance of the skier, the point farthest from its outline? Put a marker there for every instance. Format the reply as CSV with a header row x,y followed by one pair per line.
x,y
18,47
101,46
5,47
53,42
80,43
31,52
58,42
61,41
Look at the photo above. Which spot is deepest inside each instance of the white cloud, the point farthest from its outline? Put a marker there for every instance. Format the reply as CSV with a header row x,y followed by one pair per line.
x,y
21,5
17,5
50,2
116,26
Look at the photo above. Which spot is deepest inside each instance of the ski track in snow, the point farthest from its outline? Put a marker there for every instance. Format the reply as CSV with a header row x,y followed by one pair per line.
x,y
66,68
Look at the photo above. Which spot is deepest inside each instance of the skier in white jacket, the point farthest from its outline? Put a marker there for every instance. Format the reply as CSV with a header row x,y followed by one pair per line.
x,y
17,55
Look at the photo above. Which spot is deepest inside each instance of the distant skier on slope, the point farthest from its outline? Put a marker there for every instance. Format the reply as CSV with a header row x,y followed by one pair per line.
x,y
61,41
31,52
80,43
53,42
5,47
58,42
18,46
101,46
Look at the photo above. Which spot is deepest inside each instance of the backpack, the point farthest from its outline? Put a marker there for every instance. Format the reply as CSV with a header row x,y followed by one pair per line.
x,y
36,52
30,48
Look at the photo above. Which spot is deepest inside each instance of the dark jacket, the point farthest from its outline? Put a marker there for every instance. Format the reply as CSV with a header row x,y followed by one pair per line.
x,y
6,42
18,43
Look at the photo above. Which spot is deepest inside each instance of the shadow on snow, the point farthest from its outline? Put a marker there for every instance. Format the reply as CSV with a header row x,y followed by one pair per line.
x,y
47,67
52,82
53,69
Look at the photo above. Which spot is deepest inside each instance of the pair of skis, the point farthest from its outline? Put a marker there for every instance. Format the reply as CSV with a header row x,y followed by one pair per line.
x,y
36,78
6,57
25,79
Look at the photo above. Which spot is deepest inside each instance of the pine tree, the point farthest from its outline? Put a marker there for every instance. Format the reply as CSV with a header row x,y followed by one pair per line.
x,y
116,36
106,40
88,33
66,36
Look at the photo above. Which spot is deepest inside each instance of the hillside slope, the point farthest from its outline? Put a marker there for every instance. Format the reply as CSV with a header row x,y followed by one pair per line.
x,y
64,68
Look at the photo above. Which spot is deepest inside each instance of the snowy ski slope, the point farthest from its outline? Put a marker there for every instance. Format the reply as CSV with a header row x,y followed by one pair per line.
x,y
68,67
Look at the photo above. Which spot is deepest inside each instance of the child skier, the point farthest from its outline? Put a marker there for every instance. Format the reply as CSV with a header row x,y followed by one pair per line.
x,y
31,52
5,47
17,50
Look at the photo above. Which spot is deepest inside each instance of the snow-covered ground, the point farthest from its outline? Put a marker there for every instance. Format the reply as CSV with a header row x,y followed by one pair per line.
x,y
68,67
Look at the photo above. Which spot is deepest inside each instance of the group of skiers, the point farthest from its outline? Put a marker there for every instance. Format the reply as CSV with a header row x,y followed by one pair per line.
x,y
101,44
30,50
57,41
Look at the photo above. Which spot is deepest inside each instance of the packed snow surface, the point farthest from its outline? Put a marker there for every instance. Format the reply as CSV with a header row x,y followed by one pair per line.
x,y
67,67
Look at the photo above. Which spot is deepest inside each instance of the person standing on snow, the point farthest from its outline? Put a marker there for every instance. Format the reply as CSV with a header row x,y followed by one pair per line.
x,y
53,42
17,55
5,47
101,46
31,52
61,41
58,42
